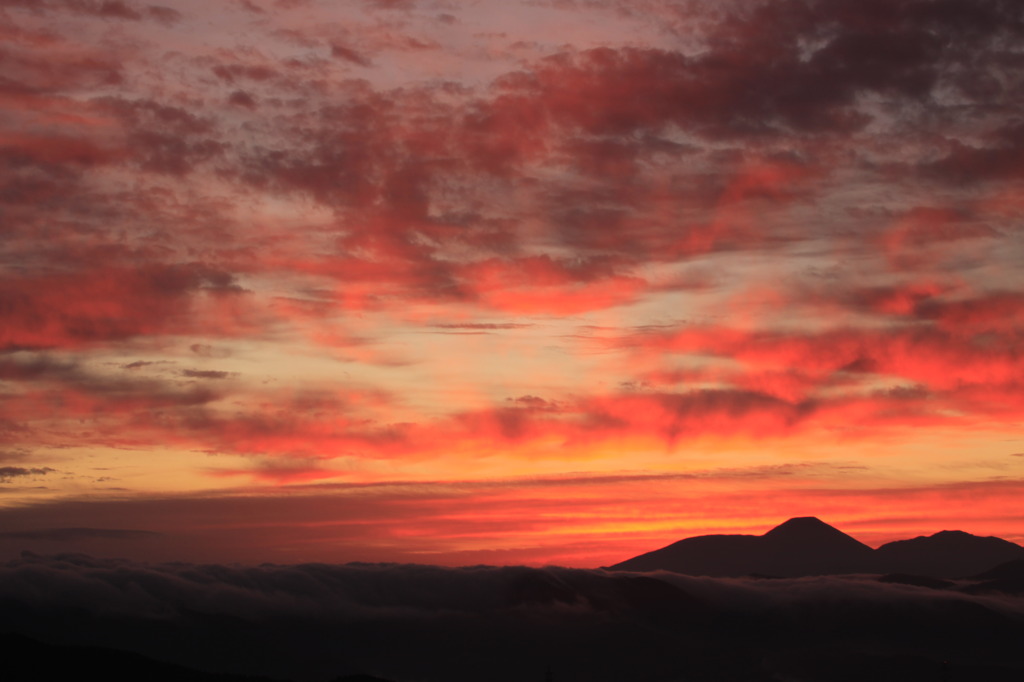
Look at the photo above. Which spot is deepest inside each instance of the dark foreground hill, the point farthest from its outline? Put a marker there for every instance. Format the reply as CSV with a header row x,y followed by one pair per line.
x,y
807,546
407,623
26,659
1005,578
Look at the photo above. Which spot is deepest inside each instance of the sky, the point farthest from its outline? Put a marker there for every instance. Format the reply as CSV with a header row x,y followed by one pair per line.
x,y
506,282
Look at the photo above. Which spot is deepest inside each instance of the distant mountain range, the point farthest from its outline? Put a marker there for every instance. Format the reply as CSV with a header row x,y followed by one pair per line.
x,y
808,546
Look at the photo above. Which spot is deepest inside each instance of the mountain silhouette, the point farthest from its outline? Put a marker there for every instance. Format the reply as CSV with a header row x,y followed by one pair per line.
x,y
798,547
808,546
947,554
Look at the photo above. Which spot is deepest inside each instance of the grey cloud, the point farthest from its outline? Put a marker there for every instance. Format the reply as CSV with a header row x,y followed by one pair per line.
x,y
73,534
9,473
14,455
204,374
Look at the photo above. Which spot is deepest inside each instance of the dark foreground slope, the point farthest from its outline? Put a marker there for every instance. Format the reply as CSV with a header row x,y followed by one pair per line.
x,y
807,546
26,659
407,623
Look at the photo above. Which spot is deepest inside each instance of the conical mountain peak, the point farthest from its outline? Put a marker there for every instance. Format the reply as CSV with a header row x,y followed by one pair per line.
x,y
801,524
809,533
805,528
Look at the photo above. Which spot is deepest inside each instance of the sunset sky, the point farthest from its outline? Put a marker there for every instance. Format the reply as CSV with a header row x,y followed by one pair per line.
x,y
506,281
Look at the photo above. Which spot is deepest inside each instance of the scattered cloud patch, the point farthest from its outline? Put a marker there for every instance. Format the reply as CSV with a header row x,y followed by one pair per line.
x,y
204,374
8,474
77,534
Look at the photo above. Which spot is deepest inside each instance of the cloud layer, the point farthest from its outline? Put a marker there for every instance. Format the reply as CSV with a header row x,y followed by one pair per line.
x,y
314,621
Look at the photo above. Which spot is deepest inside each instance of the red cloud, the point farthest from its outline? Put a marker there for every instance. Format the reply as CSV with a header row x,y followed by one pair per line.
x,y
543,285
104,9
348,54
925,235
165,139
998,160
55,150
109,304
943,360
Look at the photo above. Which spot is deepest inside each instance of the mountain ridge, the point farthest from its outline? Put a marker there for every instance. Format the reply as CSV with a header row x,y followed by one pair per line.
x,y
806,545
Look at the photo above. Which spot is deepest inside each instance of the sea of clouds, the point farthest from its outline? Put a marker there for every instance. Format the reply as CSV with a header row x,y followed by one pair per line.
x,y
416,622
